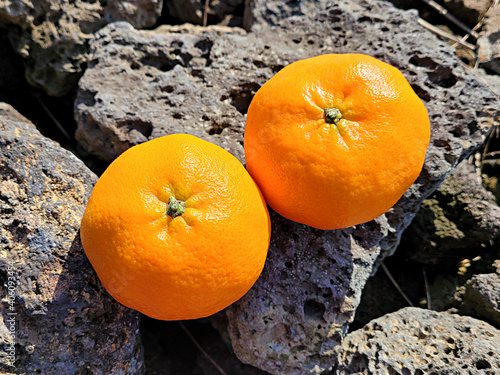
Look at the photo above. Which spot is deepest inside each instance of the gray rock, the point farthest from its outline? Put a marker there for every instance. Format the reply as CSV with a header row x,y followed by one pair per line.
x,y
417,341
459,217
54,307
482,298
300,308
144,84
272,12
161,82
52,36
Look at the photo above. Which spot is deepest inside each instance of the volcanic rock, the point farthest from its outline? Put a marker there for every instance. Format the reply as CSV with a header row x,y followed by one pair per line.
x,y
55,311
144,84
417,341
482,298
52,36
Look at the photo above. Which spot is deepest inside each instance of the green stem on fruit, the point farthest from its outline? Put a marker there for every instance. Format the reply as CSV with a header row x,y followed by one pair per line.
x,y
332,116
175,208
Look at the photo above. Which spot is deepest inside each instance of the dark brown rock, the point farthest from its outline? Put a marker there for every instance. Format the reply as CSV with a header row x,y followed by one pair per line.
x,y
62,319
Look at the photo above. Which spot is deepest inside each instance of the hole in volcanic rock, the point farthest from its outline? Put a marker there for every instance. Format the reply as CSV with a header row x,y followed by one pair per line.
x,y
314,309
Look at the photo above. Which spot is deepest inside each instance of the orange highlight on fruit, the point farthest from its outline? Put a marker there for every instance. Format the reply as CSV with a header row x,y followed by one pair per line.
x,y
176,228
335,140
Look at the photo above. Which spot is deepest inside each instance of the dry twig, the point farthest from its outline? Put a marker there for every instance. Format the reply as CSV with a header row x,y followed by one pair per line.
x,y
221,371
396,284
54,119
445,34
427,292
451,18
486,150
205,12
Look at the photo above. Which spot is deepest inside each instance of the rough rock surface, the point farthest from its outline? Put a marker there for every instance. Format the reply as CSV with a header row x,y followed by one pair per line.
x,y
459,217
272,12
482,298
144,84
62,319
52,36
417,341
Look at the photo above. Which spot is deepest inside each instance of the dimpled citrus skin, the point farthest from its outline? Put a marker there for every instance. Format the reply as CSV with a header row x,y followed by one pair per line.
x,y
186,267
329,175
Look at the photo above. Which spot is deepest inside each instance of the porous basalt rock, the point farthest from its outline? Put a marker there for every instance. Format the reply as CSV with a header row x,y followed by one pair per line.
x,y
63,320
482,298
52,36
144,84
417,341
271,12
